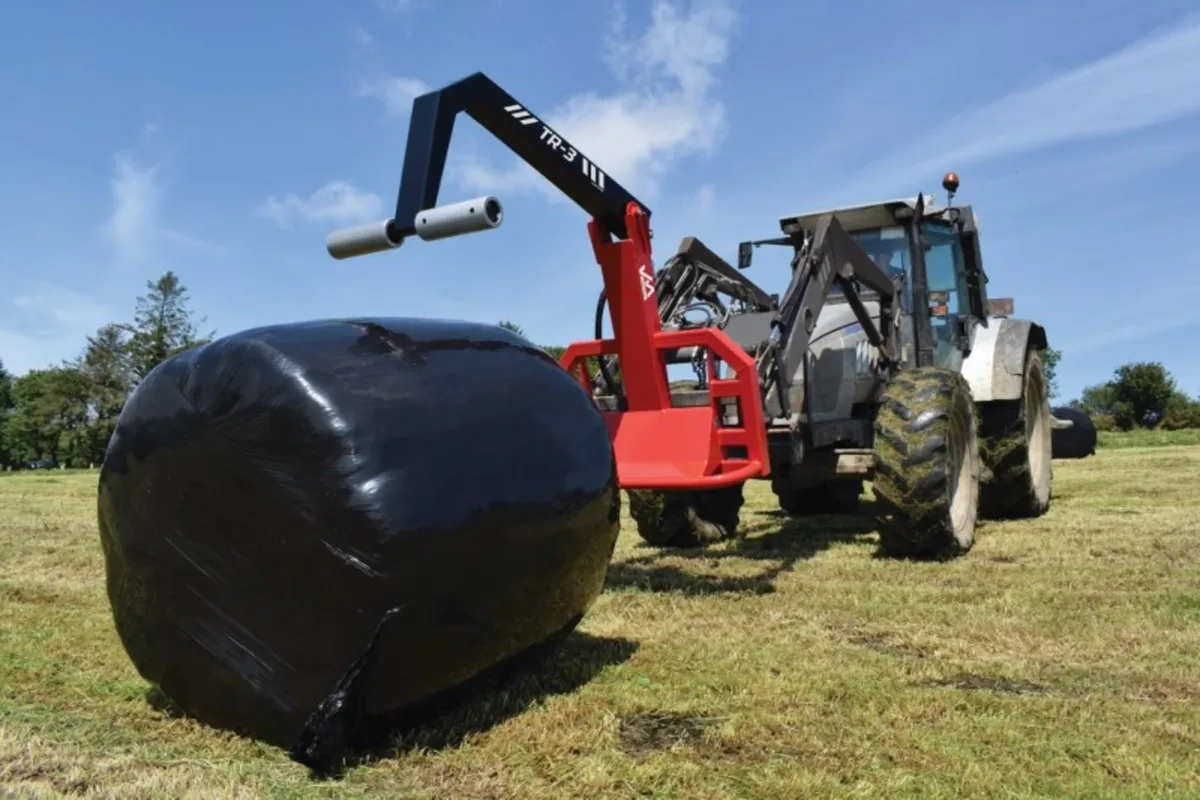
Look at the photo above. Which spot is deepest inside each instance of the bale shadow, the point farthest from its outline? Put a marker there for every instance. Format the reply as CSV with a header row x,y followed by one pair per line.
x,y
796,539
558,667
162,704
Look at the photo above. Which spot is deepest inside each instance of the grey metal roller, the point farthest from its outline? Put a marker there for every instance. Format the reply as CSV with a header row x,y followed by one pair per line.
x,y
441,222
469,216
375,237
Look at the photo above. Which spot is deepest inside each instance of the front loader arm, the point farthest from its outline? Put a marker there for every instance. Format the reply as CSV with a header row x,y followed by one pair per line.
x,y
734,283
697,274
832,257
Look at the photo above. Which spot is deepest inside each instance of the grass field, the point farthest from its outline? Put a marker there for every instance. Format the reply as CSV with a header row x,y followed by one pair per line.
x,y
1061,657
1147,438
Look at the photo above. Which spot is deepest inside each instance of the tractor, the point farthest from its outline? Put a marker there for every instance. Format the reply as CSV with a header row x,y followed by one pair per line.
x,y
884,359
836,404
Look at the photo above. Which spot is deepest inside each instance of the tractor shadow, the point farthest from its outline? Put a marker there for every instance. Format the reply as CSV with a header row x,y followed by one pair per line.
x,y
772,542
559,667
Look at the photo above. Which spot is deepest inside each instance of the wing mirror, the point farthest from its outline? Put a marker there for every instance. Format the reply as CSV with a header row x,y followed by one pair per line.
x,y
745,255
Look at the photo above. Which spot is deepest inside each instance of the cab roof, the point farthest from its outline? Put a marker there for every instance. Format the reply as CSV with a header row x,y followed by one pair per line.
x,y
859,218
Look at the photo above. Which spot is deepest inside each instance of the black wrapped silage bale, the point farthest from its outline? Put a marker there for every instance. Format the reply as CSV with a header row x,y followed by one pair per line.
x,y
1077,441
311,524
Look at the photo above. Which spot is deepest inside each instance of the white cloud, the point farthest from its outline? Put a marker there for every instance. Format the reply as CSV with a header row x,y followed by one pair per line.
x,y
398,6
134,228
337,201
705,199
191,241
61,306
1150,82
133,224
667,107
397,93
21,352
47,325
1141,313
1154,322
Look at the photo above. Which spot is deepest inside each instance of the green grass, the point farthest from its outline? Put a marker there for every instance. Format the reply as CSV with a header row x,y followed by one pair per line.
x,y
1057,659
1112,440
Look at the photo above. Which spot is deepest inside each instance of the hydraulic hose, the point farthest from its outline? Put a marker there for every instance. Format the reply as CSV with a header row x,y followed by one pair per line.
x,y
599,334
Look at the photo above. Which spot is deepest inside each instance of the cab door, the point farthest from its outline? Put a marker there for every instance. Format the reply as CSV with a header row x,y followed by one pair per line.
x,y
949,294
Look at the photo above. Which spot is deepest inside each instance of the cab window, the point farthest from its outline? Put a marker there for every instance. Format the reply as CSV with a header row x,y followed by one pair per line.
x,y
944,266
888,248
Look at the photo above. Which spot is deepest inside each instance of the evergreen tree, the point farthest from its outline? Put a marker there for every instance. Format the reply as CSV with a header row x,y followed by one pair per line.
x,y
108,377
162,325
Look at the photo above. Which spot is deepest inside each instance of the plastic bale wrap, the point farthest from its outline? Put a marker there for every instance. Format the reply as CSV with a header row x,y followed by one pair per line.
x,y
308,525
1077,441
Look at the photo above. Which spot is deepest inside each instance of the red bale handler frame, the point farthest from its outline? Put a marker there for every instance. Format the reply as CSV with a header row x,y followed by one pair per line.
x,y
658,446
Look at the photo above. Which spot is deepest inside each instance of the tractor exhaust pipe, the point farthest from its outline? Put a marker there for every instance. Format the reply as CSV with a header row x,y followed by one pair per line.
x,y
442,222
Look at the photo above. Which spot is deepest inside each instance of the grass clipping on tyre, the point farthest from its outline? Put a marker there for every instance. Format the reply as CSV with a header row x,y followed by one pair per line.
x,y
310,526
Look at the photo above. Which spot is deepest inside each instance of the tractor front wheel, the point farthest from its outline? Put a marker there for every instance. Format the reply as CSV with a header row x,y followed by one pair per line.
x,y
927,465
686,519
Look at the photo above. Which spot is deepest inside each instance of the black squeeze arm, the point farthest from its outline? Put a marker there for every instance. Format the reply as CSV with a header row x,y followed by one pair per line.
x,y
516,127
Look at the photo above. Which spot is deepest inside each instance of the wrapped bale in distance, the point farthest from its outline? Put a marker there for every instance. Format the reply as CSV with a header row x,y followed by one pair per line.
x,y
1077,441
308,525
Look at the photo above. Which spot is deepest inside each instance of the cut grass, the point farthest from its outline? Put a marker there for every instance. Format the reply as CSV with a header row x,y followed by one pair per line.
x,y
1058,658
1112,440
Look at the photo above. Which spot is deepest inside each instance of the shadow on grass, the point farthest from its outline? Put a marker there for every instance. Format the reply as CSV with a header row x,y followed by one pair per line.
x,y
163,704
795,539
558,667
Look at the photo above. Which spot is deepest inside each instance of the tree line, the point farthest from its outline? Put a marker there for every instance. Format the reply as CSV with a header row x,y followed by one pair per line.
x,y
66,414
1139,395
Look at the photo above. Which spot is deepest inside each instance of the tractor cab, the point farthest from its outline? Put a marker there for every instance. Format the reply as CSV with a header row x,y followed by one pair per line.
x,y
944,240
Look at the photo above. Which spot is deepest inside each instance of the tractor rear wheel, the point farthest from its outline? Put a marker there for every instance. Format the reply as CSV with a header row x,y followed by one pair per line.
x,y
927,465
686,519
1017,448
836,497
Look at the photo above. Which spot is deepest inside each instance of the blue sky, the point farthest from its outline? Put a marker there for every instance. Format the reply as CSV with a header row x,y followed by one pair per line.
x,y
224,141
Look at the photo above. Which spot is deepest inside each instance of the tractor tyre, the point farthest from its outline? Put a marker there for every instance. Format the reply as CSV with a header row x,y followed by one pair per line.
x,y
927,465
835,497
1017,444
686,518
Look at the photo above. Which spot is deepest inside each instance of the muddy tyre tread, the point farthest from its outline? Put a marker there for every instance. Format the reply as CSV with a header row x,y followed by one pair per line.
x,y
1011,493
914,466
687,519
